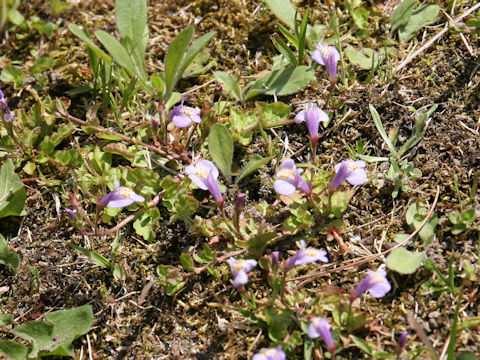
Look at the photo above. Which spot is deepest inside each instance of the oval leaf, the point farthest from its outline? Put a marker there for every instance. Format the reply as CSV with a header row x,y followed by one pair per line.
x,y
220,146
403,261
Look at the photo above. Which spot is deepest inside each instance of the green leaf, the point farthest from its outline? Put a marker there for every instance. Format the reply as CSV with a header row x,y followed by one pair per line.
x,y
424,16
187,262
360,17
282,81
193,51
12,191
229,84
176,200
13,351
41,65
38,332
119,53
381,129
12,74
285,50
67,326
302,37
284,10
366,58
403,261
144,224
206,256
414,217
175,58
51,142
7,257
220,147
16,17
58,6
361,344
240,123
87,40
467,356
255,163
6,319
339,202
402,14
131,19
273,113
94,256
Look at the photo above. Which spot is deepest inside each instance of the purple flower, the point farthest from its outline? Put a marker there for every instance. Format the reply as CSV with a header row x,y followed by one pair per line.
x,y
240,203
182,116
289,179
306,255
402,339
120,197
312,115
328,56
275,260
155,123
205,175
352,171
319,327
71,214
270,354
5,110
240,268
375,283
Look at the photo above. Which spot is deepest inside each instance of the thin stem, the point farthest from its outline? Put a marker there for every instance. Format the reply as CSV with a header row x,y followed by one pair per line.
x,y
129,218
126,138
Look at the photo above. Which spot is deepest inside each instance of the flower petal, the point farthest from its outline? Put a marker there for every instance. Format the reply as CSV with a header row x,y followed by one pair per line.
x,y
119,203
181,120
300,117
284,187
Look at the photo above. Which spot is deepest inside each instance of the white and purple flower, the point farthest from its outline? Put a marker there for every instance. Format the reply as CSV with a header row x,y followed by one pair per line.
x,y
122,196
240,268
204,174
270,354
319,327
289,179
312,115
7,116
328,56
375,283
306,255
350,170
182,115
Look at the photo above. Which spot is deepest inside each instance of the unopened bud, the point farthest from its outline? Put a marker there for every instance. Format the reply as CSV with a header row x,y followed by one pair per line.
x,y
155,124
71,214
240,203
402,340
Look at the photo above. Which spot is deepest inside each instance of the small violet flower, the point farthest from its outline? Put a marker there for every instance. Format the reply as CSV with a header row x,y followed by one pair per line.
x,y
270,354
71,214
328,56
7,116
402,339
312,115
306,255
120,197
319,327
352,171
240,268
375,283
205,175
289,179
182,116
240,203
